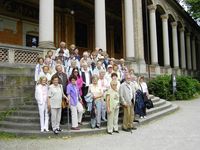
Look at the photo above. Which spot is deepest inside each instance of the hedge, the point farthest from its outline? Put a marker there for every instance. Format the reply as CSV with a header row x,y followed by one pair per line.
x,y
186,87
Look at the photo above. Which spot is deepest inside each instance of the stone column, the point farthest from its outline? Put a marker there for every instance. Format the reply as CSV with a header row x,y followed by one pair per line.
x,y
165,40
138,31
182,44
175,44
46,24
194,62
153,34
129,32
188,45
100,24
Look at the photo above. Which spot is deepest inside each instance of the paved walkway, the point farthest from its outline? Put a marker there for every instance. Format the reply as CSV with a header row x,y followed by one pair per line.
x,y
178,131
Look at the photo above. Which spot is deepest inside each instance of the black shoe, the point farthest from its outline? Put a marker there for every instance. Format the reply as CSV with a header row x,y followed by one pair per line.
x,y
59,129
133,128
116,131
136,121
109,133
126,130
97,126
55,132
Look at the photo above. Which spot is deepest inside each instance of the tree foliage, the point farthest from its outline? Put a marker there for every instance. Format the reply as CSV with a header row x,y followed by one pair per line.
x,y
193,8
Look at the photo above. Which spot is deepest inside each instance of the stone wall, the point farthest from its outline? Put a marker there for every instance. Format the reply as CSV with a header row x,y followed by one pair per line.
x,y
16,85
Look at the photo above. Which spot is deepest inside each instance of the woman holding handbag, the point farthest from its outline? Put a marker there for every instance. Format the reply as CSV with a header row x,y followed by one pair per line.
x,y
55,95
97,93
41,92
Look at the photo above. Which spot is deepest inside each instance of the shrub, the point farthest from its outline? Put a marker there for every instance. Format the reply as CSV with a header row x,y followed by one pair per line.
x,y
186,87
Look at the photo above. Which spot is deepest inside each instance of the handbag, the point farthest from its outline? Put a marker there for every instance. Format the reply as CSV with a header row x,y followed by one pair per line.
x,y
64,104
89,97
148,104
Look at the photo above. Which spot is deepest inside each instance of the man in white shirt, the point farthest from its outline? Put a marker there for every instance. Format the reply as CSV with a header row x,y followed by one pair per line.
x,y
45,73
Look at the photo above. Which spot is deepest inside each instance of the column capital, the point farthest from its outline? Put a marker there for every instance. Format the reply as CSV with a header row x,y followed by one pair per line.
x,y
164,16
188,34
182,29
152,7
193,37
174,24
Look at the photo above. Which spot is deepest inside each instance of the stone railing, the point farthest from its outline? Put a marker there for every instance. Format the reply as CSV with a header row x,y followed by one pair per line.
x,y
18,54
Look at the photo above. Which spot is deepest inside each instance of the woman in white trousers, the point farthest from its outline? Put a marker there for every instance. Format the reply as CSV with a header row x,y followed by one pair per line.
x,y
75,103
41,95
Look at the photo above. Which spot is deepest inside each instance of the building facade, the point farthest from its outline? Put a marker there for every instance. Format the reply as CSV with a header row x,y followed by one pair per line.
x,y
155,36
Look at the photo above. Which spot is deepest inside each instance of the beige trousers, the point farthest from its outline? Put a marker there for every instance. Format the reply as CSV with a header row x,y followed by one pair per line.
x,y
113,120
128,117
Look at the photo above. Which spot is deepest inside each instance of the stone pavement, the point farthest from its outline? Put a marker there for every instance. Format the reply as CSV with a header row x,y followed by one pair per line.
x,y
178,131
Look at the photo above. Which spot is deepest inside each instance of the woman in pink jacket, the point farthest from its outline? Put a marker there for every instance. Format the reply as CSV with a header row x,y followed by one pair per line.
x,y
79,81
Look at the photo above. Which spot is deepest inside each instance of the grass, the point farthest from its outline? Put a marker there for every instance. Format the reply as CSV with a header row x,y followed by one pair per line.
x,y
6,136
3,115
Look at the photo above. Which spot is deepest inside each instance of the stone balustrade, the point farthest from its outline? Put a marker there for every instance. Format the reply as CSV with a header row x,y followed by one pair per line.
x,y
19,55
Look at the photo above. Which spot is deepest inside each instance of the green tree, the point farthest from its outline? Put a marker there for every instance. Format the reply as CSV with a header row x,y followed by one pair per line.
x,y
193,8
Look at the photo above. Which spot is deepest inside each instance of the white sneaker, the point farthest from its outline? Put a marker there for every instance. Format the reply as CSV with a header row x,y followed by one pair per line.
x,y
42,130
141,117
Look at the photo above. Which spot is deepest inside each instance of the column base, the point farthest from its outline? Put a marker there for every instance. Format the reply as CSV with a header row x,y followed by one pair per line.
x,y
176,71
47,45
154,69
132,59
141,67
183,71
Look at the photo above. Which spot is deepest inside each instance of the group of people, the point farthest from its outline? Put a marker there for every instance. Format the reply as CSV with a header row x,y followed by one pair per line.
x,y
93,84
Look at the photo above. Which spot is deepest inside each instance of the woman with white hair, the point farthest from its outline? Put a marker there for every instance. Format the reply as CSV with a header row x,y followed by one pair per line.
x,y
41,96
62,52
85,58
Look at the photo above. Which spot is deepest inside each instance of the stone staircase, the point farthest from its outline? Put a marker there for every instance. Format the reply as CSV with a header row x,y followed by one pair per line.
x,y
25,121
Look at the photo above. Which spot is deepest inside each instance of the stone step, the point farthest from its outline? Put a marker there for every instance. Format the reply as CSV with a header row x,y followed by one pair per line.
x,y
36,126
155,99
159,103
29,115
33,103
86,131
22,119
19,91
159,114
160,108
29,107
34,113
26,113
25,116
